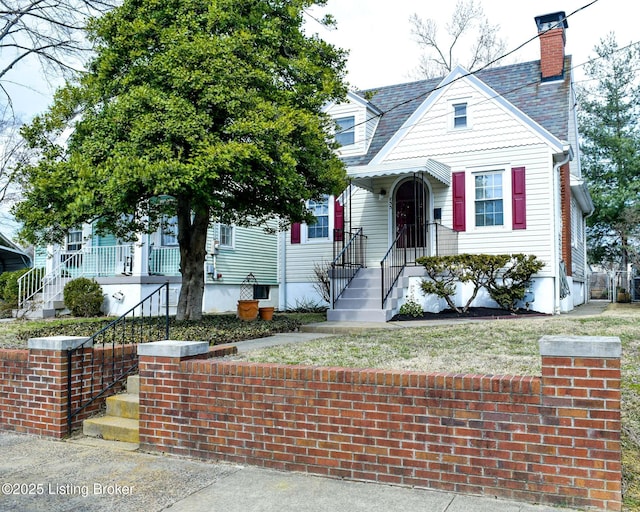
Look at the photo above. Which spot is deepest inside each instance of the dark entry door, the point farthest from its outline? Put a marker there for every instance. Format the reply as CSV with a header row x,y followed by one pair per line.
x,y
411,211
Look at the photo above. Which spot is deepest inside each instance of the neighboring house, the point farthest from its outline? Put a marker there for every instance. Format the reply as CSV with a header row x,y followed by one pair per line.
x,y
11,256
128,272
482,162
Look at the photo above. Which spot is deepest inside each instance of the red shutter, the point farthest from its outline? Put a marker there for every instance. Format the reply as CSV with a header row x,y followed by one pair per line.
x,y
295,233
518,198
459,213
338,221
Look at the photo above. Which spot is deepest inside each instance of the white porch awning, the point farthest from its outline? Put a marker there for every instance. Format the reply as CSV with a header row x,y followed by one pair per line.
x,y
364,176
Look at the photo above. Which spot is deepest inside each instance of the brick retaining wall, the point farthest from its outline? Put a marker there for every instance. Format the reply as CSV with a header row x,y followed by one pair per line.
x,y
553,439
33,383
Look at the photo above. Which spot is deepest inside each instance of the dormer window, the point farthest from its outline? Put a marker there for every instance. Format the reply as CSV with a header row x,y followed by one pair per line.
x,y
460,115
345,130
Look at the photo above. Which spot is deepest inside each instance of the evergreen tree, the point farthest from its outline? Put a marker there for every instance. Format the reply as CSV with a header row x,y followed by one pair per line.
x,y
608,117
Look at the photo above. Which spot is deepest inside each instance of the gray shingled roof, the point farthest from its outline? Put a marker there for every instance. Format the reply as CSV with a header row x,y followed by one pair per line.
x,y
547,103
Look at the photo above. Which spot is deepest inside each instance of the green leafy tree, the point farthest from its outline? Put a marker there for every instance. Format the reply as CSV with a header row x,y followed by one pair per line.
x,y
608,117
202,109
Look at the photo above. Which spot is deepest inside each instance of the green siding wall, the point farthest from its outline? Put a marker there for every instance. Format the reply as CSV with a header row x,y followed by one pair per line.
x,y
255,251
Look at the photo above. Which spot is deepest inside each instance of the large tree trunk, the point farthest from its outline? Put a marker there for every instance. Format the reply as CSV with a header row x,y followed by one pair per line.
x,y
192,237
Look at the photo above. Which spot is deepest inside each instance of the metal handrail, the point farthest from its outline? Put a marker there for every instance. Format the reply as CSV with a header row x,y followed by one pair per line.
x,y
393,263
347,262
138,325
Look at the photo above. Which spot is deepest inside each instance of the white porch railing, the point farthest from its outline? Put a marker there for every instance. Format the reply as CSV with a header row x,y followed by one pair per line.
x,y
88,262
164,261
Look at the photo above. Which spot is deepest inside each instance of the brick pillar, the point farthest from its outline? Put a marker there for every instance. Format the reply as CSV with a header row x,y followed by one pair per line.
x,y
44,401
160,387
581,420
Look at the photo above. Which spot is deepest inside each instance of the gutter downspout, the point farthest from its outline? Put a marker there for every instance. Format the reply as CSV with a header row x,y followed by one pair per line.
x,y
557,226
282,299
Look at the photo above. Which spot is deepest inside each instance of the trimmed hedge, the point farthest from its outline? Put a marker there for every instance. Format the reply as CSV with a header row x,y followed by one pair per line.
x,y
505,276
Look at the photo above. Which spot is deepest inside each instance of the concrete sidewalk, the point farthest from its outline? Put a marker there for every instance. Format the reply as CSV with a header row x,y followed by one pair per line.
x,y
38,475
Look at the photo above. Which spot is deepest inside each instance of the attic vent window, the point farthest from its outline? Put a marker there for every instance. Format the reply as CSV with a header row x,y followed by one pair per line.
x,y
345,130
460,115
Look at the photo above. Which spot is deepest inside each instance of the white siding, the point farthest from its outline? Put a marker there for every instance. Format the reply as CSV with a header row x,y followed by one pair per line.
x,y
490,127
578,263
365,124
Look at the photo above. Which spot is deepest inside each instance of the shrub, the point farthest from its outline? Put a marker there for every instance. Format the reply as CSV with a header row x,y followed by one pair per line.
x,y
514,280
83,297
322,283
9,287
504,276
411,308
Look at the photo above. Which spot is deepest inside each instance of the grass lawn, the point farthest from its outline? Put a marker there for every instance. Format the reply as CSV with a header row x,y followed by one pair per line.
x,y
496,346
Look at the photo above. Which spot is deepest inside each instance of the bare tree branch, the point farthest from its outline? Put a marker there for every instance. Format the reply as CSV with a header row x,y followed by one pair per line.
x,y
51,31
468,27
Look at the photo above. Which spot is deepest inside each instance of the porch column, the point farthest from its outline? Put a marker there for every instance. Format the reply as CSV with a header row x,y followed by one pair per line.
x,y
141,256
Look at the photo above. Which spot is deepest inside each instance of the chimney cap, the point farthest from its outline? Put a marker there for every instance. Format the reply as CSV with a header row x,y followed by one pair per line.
x,y
553,20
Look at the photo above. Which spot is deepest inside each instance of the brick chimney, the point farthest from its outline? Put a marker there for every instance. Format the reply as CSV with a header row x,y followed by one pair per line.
x,y
551,31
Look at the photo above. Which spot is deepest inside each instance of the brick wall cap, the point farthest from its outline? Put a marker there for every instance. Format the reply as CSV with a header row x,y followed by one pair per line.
x,y
58,343
581,346
173,348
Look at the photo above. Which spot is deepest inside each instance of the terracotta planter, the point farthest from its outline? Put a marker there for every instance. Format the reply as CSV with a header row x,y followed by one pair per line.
x,y
266,313
247,310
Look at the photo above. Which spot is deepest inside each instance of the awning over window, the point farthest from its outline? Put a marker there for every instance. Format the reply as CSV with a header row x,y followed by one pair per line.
x,y
364,176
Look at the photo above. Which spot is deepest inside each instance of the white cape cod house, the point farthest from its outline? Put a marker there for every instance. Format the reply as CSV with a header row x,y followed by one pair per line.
x,y
483,162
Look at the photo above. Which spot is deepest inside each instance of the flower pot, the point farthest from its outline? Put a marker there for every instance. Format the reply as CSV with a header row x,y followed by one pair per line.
x,y
266,313
247,310
624,297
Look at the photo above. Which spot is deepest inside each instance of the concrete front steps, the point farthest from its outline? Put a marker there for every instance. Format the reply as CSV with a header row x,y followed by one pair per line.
x,y
36,309
362,301
122,420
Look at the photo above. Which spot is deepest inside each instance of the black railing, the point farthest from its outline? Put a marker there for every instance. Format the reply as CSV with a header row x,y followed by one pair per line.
x,y
393,263
98,372
411,243
349,256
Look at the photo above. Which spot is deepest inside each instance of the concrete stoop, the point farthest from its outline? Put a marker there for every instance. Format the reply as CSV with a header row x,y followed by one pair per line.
x,y
122,419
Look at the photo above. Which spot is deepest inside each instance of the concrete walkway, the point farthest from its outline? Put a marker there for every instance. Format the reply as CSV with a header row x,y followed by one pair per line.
x,y
41,475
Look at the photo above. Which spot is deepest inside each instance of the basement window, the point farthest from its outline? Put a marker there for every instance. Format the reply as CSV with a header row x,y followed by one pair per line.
x,y
261,291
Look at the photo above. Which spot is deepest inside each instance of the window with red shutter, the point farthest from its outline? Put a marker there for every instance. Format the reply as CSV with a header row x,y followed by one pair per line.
x,y
338,221
459,213
295,233
518,198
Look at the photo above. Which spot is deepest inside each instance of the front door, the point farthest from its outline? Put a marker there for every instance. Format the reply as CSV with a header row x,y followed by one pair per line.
x,y
411,214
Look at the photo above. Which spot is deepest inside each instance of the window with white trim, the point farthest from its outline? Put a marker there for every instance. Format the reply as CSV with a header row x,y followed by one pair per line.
x,y
320,228
346,130
459,115
489,204
169,231
74,240
225,232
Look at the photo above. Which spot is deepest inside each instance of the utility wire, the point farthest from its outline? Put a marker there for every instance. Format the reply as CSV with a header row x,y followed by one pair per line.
x,y
487,65
510,91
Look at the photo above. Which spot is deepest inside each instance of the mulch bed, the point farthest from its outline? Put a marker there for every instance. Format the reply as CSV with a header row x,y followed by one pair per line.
x,y
450,314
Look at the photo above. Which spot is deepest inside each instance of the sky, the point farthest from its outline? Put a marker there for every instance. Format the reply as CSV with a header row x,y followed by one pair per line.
x,y
383,51
377,34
